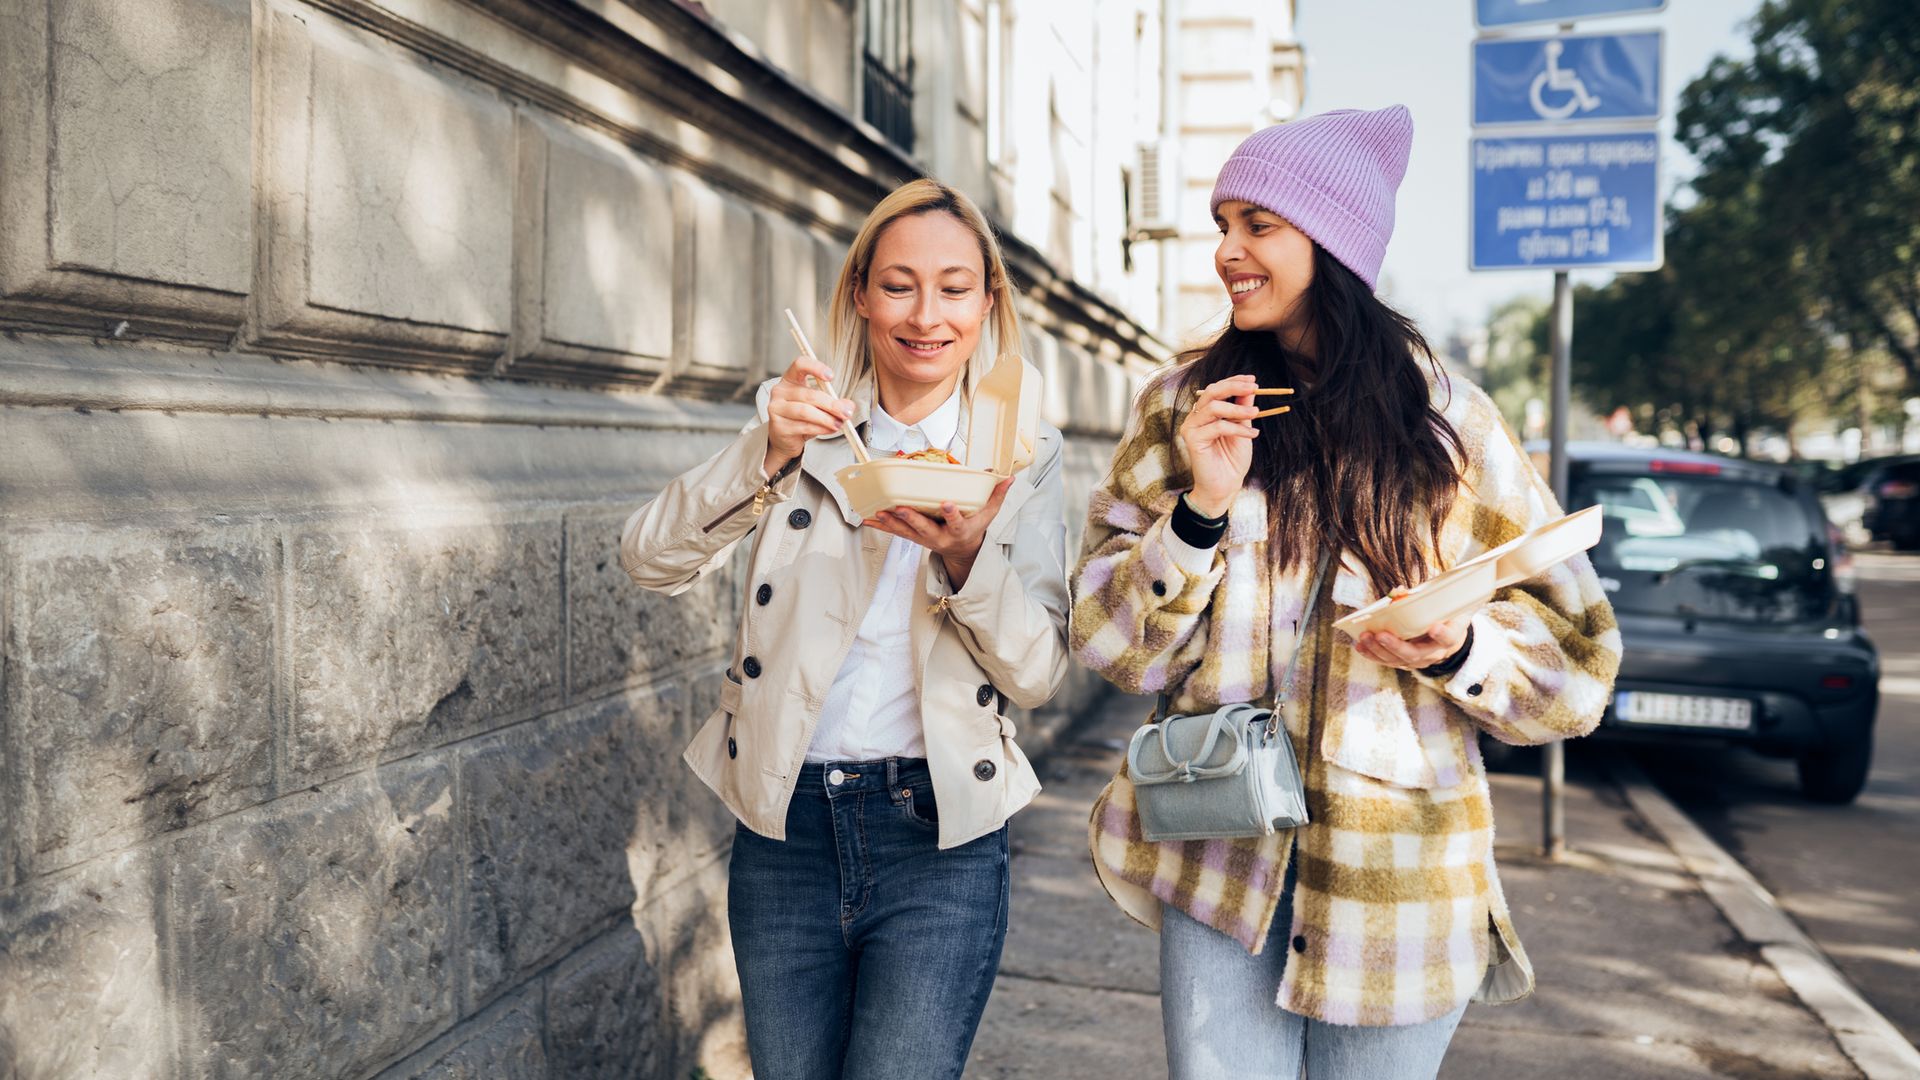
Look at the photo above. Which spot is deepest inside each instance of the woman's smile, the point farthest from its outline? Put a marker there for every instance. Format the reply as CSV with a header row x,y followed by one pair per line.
x,y
1243,286
924,349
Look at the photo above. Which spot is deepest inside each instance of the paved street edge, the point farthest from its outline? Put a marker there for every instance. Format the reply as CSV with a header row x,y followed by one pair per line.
x,y
1874,1044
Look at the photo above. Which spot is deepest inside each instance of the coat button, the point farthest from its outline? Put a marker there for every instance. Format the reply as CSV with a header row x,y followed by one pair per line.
x,y
1159,588
733,749
799,519
1474,690
763,595
751,666
1299,943
983,770
984,696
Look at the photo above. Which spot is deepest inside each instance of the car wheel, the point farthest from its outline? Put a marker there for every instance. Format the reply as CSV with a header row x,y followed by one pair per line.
x,y
1836,774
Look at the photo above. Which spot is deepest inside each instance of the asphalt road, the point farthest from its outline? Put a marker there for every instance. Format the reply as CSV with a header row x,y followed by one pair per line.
x,y
1850,875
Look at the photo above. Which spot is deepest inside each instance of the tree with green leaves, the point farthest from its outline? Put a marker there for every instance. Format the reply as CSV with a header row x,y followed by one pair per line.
x,y
1791,258
1822,124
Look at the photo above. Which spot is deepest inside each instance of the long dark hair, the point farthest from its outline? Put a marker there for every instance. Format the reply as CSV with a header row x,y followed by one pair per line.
x,y
1364,450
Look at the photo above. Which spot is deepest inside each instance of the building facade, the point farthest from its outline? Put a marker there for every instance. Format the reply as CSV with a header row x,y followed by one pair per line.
x,y
337,339
1238,68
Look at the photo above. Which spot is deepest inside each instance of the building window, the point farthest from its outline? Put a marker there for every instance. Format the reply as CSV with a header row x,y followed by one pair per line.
x,y
887,63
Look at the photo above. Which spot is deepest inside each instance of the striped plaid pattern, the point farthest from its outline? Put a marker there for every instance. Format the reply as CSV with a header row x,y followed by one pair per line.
x,y
1398,913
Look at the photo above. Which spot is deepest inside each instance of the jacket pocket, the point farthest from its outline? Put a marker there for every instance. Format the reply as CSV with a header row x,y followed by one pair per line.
x,y
1373,732
918,806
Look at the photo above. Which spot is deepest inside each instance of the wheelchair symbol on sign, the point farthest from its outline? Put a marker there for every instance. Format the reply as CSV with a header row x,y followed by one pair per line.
x,y
1560,80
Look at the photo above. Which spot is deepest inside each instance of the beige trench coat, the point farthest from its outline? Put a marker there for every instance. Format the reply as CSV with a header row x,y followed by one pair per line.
x,y
1001,638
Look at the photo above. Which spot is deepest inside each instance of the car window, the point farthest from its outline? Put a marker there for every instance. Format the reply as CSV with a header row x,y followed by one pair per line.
x,y
1908,473
1863,475
1708,547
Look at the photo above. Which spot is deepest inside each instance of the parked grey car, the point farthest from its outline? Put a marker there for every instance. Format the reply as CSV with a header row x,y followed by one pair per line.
x,y
1735,599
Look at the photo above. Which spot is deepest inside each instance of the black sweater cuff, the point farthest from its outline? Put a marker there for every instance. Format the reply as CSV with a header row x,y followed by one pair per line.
x,y
1196,531
1445,668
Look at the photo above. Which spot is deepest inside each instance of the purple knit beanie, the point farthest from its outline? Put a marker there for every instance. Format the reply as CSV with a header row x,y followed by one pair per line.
x,y
1332,175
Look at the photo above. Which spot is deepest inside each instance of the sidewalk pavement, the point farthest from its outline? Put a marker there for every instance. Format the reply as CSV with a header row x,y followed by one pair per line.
x,y
1639,973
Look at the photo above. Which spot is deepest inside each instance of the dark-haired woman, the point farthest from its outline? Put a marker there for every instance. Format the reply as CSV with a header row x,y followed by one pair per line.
x,y
1351,945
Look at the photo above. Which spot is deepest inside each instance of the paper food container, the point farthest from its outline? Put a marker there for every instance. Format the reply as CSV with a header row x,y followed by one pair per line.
x,y
1435,600
1473,583
1001,430
1530,555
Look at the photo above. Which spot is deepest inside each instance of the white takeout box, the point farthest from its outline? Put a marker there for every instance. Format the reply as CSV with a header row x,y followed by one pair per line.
x,y
1002,427
1473,583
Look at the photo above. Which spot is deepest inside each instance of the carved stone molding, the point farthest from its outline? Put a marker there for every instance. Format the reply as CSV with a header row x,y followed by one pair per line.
x,y
600,192
124,172
385,206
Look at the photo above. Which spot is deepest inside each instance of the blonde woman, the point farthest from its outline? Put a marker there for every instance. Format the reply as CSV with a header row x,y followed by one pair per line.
x,y
861,738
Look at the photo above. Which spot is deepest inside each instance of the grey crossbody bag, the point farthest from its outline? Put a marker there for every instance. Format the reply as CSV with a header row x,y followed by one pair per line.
x,y
1221,775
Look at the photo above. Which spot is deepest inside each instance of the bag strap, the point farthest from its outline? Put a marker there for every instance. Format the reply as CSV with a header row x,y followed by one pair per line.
x,y
1165,699
1221,725
1285,690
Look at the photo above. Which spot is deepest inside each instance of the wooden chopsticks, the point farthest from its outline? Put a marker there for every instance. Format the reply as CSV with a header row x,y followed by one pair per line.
x,y
1276,391
846,426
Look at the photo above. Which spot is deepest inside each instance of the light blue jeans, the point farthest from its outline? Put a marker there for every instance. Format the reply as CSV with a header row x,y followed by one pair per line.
x,y
1217,1004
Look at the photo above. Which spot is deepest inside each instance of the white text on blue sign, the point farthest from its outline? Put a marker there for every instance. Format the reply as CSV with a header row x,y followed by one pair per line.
x,y
1566,201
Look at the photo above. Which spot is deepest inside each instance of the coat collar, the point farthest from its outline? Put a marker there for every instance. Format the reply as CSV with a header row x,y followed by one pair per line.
x,y
822,458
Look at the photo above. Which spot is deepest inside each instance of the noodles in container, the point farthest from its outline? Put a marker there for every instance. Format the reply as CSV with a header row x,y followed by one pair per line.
x,y
1001,430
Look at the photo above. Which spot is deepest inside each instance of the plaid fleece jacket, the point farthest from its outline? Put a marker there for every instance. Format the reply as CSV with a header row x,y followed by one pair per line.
x,y
1398,916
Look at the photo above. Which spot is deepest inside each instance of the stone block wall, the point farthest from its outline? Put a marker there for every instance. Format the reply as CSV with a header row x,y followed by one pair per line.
x,y
335,347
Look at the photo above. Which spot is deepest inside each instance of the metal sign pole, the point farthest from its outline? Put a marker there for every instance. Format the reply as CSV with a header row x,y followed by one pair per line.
x,y
1553,759
1569,177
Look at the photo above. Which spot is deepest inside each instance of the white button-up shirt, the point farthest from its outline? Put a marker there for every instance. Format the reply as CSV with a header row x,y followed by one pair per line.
x,y
872,710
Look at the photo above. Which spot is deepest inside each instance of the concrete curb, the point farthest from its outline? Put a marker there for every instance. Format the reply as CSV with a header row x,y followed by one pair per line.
x,y
1874,1044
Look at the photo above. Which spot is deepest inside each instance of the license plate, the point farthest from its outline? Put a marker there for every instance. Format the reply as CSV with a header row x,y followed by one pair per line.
x,y
1683,710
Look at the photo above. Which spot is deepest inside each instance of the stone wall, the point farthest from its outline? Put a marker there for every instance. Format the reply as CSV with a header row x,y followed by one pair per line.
x,y
336,341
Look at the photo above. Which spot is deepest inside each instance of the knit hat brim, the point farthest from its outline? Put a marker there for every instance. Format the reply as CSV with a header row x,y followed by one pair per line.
x,y
1331,225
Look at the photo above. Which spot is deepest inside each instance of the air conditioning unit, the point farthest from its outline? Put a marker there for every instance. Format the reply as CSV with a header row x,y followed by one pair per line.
x,y
1156,191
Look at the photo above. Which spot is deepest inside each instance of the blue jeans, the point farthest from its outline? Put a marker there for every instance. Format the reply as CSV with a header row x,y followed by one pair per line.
x,y
1217,1005
864,951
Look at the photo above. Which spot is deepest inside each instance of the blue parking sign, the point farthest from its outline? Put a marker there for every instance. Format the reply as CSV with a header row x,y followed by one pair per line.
x,y
1569,79
1488,13
1561,202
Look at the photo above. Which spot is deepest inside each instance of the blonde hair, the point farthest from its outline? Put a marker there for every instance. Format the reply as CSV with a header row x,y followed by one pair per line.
x,y
852,350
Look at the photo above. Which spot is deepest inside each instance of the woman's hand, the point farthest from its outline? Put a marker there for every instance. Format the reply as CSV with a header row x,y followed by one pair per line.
x,y
956,540
1440,642
797,412
1219,435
